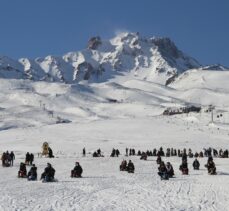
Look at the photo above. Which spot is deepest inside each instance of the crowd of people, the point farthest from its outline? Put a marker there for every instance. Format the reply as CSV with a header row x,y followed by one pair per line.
x,y
8,159
165,170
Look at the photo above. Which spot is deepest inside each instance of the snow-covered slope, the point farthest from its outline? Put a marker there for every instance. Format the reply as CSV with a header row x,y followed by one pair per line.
x,y
123,110
151,59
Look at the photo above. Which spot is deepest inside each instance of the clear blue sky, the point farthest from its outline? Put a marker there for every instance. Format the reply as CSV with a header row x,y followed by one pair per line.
x,y
36,28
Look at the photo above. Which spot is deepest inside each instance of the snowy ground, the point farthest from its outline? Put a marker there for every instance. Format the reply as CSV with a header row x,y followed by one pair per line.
x,y
134,122
103,186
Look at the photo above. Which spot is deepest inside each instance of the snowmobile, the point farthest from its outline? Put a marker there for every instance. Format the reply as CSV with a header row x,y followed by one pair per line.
x,y
185,171
22,174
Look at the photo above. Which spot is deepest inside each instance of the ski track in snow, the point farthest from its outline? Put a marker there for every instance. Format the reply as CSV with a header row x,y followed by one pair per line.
x,y
104,187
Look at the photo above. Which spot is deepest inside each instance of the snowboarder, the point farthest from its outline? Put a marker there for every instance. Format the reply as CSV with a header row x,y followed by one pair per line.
x,y
77,171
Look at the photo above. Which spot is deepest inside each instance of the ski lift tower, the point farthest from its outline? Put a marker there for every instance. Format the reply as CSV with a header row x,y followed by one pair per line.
x,y
211,109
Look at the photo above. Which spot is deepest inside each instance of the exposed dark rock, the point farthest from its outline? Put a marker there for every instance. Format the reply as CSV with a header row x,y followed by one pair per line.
x,y
94,43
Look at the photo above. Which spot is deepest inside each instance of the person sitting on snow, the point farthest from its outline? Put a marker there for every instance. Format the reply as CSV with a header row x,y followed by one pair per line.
x,y
123,166
184,167
211,167
162,171
32,174
170,170
196,164
49,172
130,167
143,156
22,171
158,159
77,171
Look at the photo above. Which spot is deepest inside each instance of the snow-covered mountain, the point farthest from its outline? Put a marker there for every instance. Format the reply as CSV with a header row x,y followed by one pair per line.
x,y
151,59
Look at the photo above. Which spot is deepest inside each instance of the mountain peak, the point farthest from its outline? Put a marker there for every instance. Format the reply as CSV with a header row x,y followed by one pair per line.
x,y
153,59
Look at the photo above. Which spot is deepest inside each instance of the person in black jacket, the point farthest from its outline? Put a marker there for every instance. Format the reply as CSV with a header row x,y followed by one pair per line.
x,y
49,173
50,153
162,171
196,164
12,158
77,171
170,169
32,174
31,159
184,167
130,167
22,173
211,167
27,158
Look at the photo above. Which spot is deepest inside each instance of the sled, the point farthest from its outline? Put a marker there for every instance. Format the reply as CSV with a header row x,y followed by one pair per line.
x,y
49,181
185,171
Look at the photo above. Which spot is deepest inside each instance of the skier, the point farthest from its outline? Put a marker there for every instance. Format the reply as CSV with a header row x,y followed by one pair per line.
x,y
22,173
32,174
130,167
196,164
48,175
77,171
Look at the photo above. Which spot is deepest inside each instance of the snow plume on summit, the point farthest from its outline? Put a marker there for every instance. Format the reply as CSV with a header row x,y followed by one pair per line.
x,y
152,59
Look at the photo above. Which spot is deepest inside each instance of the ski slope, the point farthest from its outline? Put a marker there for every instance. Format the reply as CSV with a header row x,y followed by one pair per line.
x,y
122,112
103,186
